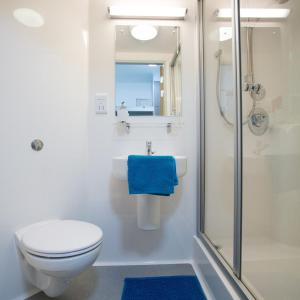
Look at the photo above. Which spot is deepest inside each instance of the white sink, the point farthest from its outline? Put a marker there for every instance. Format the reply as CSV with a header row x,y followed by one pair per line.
x,y
119,168
148,206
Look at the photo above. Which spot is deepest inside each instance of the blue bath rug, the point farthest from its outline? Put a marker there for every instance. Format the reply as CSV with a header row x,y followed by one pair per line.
x,y
163,288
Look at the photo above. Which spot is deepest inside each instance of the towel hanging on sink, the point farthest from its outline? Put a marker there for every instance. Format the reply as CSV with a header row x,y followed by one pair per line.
x,y
154,175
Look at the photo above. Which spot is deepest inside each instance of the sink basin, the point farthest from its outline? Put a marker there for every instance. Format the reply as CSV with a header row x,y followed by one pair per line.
x,y
119,168
148,206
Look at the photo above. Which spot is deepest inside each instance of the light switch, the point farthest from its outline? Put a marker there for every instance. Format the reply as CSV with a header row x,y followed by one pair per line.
x,y
101,103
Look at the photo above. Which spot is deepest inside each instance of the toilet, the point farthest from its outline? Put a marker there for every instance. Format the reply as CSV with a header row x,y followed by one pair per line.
x,y
54,252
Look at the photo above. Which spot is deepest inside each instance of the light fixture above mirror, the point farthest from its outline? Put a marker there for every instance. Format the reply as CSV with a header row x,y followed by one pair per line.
x,y
147,12
144,32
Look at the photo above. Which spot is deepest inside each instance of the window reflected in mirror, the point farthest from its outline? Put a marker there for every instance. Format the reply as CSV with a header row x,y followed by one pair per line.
x,y
148,70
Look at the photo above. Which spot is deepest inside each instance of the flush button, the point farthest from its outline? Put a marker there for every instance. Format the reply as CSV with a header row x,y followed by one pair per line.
x,y
37,145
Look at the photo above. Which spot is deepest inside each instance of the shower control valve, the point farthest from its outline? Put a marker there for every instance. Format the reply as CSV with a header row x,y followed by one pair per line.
x,y
252,87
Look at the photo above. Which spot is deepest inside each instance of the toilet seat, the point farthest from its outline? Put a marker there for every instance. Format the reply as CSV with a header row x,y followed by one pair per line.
x,y
61,238
63,255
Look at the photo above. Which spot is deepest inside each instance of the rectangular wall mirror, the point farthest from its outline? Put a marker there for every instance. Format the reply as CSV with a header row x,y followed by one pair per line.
x,y
148,70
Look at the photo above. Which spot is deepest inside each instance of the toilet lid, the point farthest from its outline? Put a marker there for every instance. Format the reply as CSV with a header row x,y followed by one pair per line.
x,y
61,237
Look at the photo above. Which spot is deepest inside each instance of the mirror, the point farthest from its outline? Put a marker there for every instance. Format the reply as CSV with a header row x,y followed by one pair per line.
x,y
148,70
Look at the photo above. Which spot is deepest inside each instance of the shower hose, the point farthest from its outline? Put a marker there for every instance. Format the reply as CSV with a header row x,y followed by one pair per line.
x,y
250,73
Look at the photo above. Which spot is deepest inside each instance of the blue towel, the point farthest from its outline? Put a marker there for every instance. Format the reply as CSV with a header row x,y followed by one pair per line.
x,y
154,175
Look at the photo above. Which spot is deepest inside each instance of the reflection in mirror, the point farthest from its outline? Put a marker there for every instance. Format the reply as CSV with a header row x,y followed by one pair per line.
x,y
148,70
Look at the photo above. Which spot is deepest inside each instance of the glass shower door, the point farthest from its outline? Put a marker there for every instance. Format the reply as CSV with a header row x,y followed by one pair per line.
x,y
219,129
271,149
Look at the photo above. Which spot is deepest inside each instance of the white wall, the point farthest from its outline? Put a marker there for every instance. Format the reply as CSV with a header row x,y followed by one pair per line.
x,y
285,137
43,94
109,204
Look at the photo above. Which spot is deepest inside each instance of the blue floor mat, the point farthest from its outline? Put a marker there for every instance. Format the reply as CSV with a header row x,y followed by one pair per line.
x,y
163,288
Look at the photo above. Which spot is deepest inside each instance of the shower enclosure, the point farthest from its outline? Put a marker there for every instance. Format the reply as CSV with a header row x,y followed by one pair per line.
x,y
250,142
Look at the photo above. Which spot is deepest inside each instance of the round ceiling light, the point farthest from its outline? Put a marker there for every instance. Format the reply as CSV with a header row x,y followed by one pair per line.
x,y
144,32
28,17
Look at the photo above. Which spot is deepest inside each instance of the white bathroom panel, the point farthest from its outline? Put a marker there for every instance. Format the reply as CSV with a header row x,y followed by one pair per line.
x,y
109,204
44,95
57,78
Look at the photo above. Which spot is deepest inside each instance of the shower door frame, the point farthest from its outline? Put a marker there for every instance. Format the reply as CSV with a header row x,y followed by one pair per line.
x,y
233,273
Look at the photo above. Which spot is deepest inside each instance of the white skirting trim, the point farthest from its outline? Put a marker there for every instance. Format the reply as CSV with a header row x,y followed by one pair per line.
x,y
142,263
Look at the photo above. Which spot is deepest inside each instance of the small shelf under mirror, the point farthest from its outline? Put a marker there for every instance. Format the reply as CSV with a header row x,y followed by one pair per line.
x,y
168,125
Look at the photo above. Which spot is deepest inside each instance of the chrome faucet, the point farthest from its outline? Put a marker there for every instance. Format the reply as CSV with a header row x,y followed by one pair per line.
x,y
149,148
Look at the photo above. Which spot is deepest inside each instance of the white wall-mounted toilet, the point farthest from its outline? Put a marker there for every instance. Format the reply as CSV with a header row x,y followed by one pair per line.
x,y
54,252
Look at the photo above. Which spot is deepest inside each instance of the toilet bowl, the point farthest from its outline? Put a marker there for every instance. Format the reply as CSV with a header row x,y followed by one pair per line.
x,y
54,252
